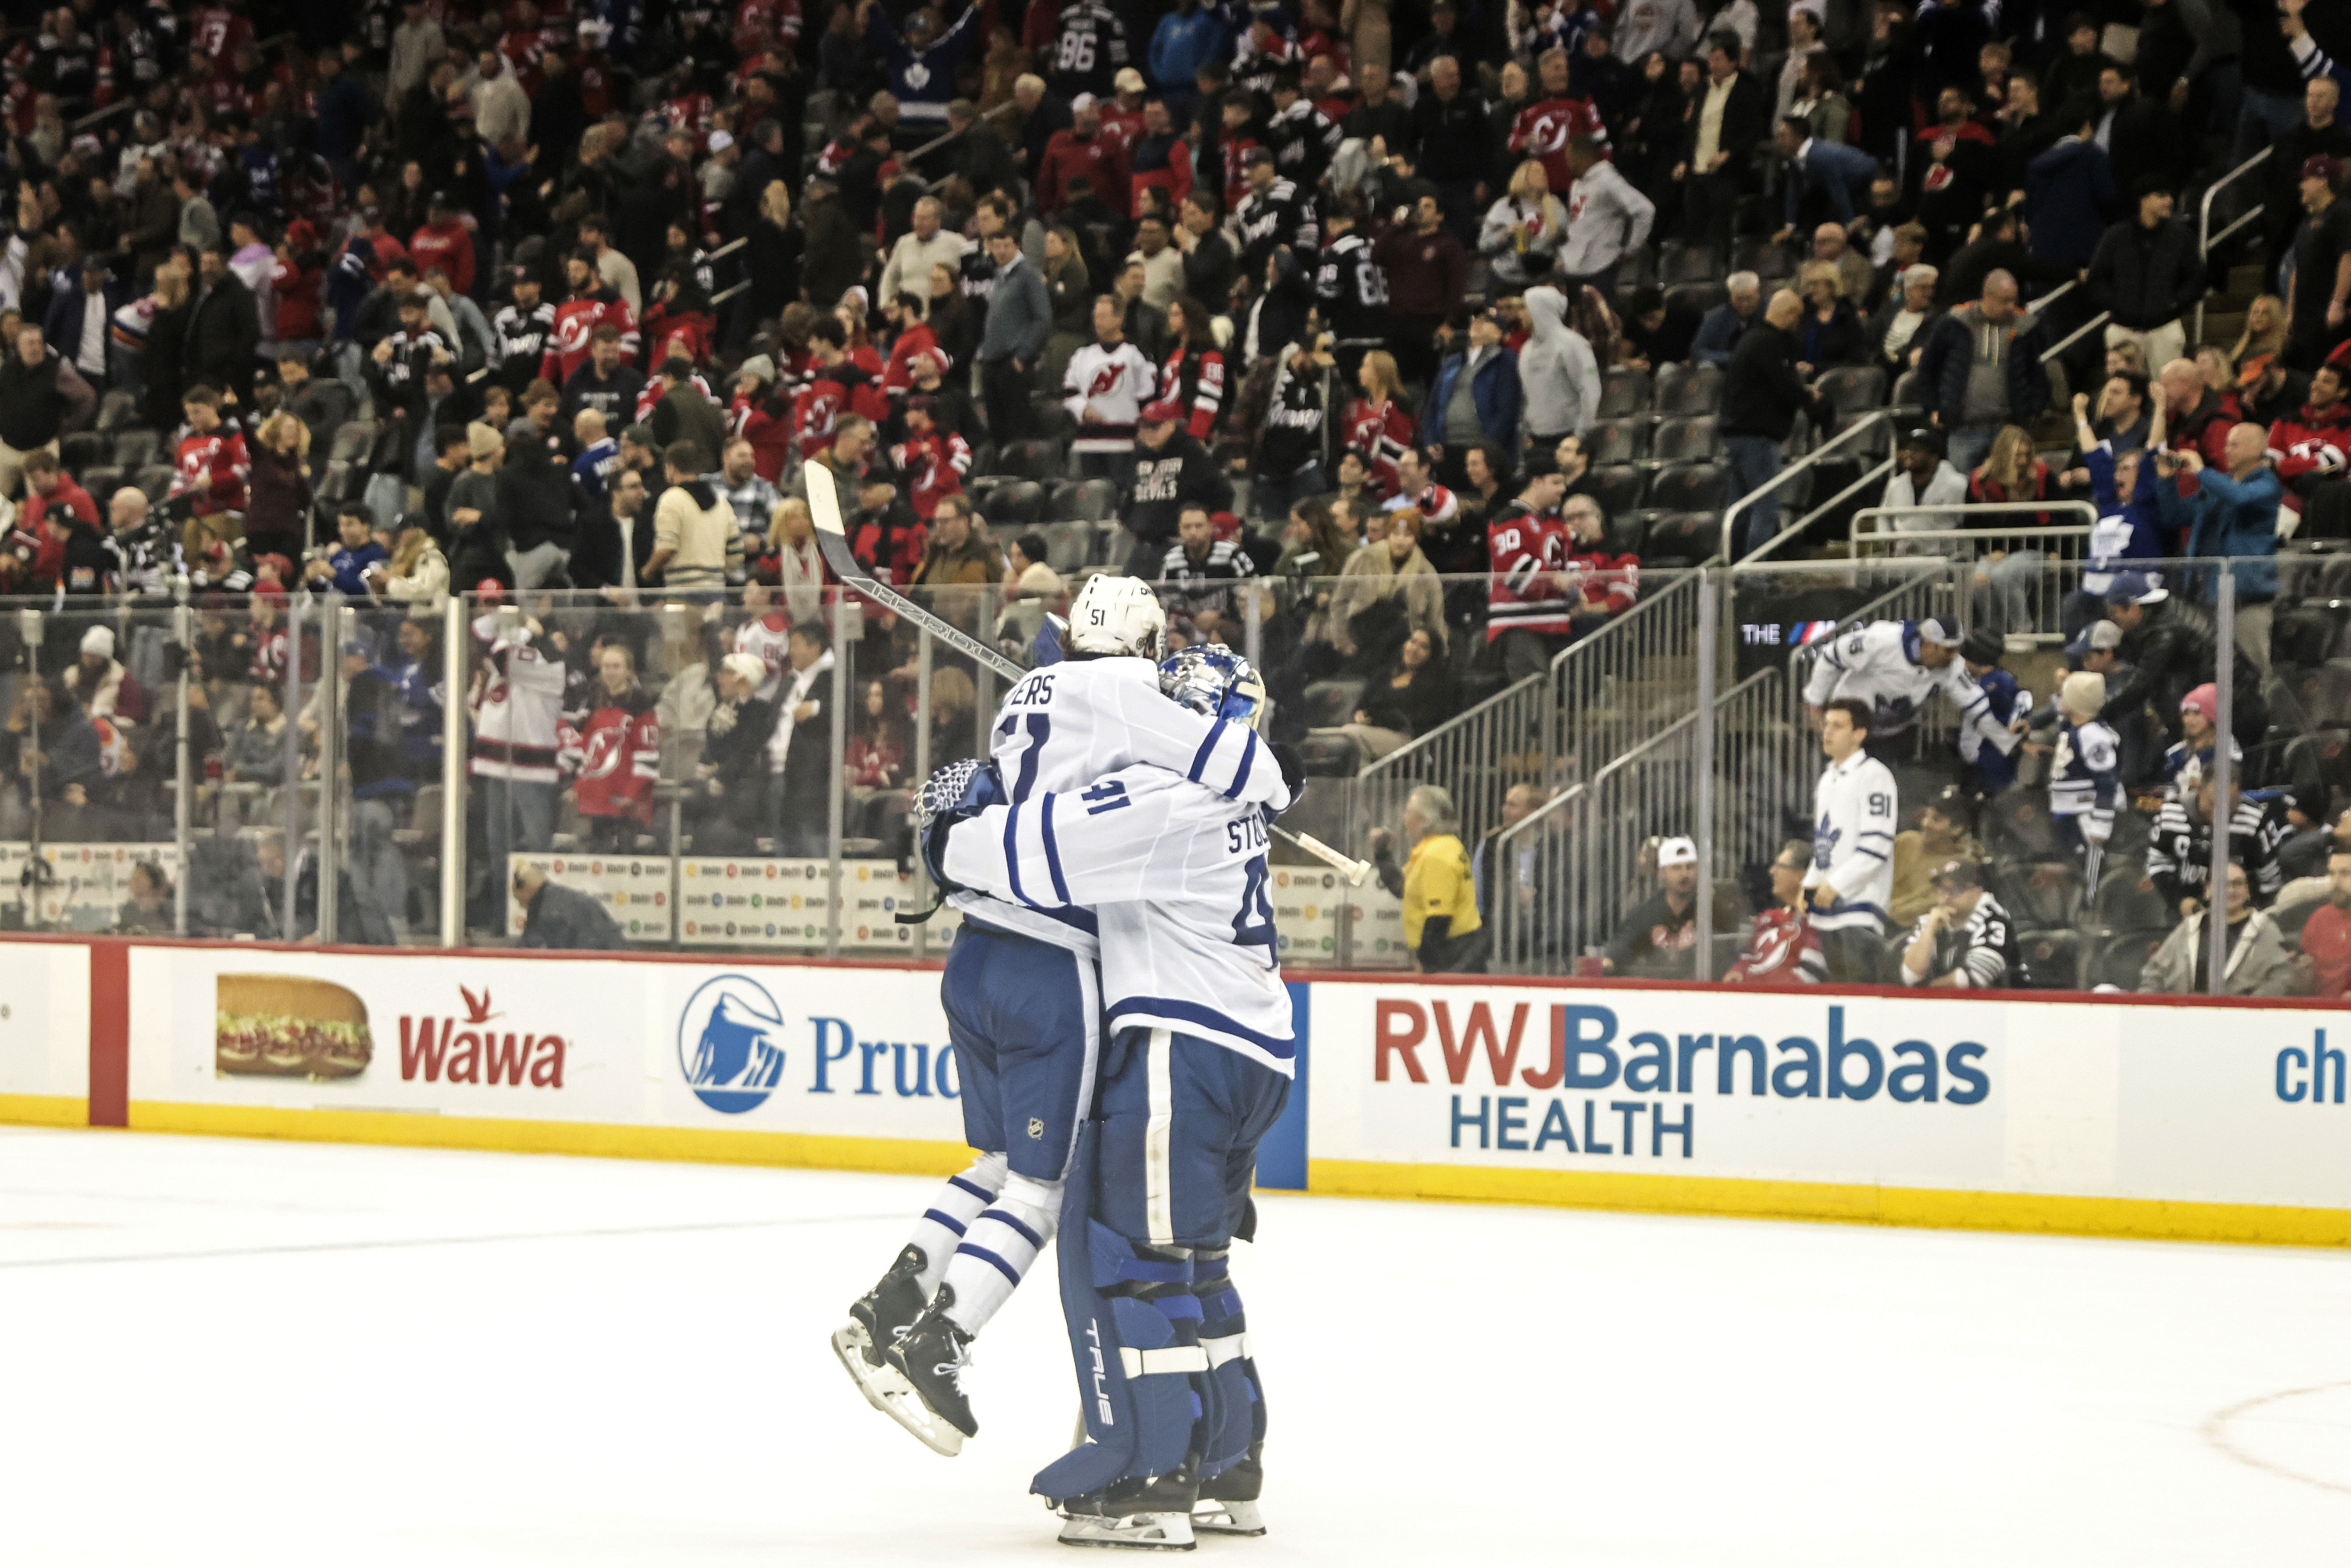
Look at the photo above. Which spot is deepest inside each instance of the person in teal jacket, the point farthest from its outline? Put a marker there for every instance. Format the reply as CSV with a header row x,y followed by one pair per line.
x,y
2234,515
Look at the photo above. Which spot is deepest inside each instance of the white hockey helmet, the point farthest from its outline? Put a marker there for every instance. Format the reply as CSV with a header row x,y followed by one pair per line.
x,y
1118,616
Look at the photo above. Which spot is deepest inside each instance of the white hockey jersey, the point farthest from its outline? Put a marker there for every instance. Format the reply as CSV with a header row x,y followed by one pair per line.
x,y
1065,725
1854,808
1878,664
766,638
1176,872
1115,383
517,711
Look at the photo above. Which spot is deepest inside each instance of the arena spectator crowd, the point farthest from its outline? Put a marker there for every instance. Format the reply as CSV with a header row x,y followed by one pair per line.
x,y
1393,340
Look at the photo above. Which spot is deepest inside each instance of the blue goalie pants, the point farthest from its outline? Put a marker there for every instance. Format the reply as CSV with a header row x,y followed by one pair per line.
x,y
1159,1191
1025,1017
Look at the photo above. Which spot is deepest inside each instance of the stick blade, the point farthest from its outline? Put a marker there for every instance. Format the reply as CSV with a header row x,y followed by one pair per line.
x,y
824,501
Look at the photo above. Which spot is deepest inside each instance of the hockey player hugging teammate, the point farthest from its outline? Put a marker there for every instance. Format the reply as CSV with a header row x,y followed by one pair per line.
x,y
1195,1071
1021,990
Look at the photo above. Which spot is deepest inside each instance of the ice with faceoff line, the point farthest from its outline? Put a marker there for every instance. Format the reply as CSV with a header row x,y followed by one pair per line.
x,y
256,1352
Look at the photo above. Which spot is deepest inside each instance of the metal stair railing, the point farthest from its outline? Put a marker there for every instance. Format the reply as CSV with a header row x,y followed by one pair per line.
x,y
1727,551
2205,238
1585,843
1600,694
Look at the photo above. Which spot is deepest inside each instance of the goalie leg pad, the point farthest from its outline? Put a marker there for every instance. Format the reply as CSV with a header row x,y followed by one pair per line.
x,y
1233,1418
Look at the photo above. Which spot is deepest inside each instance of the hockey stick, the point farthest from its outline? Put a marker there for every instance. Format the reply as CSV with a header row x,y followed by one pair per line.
x,y
832,539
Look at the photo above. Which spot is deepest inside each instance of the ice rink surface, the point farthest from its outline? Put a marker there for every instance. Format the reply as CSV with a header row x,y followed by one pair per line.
x,y
250,1352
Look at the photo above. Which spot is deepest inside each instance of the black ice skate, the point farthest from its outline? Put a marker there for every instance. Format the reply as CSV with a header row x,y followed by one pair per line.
x,y
1136,1515
931,1356
876,1320
1228,1503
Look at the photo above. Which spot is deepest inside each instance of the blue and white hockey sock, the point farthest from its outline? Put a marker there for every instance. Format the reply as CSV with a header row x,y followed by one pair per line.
x,y
999,1248
961,1201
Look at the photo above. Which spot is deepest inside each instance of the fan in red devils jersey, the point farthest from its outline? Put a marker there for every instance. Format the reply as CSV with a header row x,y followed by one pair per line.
x,y
1602,581
2309,448
615,754
1375,425
933,460
1192,378
1542,129
212,462
1783,948
1530,608
838,385
593,303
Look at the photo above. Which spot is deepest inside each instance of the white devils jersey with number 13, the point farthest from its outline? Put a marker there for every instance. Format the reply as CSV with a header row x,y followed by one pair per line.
x,y
1176,872
1064,726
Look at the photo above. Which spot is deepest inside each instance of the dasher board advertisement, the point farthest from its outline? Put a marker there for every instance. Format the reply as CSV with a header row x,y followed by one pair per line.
x,y
858,1052
45,1031
2172,1101
83,887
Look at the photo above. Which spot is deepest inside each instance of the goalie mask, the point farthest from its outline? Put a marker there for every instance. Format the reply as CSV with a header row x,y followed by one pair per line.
x,y
1215,683
1117,615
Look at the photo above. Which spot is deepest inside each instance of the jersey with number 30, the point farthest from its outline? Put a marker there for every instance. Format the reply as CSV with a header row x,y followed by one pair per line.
x,y
1064,726
1176,872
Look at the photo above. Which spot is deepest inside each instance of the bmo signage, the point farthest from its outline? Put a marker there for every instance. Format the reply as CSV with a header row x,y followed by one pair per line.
x,y
2105,1115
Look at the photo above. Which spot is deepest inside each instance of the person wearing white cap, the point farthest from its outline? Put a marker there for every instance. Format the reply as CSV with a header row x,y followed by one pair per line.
x,y
1891,668
100,683
1658,940
2084,770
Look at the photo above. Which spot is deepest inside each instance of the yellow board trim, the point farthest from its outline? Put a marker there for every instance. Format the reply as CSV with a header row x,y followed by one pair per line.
x,y
46,1110
906,1156
2146,1218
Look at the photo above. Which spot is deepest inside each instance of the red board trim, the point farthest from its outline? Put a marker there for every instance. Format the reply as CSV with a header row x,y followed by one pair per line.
x,y
110,1034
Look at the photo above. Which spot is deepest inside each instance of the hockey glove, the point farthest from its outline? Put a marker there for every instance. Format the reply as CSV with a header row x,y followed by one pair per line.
x,y
956,792
1294,773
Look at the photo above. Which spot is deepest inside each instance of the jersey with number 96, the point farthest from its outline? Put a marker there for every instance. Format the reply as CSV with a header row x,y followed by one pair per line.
x,y
1175,872
1067,724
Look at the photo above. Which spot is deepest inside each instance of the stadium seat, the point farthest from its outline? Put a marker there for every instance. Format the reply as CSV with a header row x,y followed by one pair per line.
x,y
1876,443
2016,827
155,481
117,409
1617,488
1014,506
1637,270
1687,389
2039,893
1058,497
1910,392
2053,960
1761,256
137,448
1684,440
1628,531
2119,960
1851,387
1093,499
1039,460
1616,440
81,449
1623,391
1688,264
1071,545
334,485
2127,900
979,486
1689,488
352,440
1681,538
339,403
102,481
1329,704
1694,298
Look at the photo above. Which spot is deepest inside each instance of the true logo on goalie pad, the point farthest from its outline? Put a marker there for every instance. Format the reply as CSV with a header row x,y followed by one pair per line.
x,y
1035,1127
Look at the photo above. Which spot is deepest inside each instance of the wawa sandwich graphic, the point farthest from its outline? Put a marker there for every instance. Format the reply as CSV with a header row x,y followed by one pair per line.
x,y
281,1026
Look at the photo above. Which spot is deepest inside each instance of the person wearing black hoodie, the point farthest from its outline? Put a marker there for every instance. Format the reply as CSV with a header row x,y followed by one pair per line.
x,y
1171,470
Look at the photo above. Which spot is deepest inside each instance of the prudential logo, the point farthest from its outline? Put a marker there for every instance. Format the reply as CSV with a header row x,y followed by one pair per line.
x,y
730,1043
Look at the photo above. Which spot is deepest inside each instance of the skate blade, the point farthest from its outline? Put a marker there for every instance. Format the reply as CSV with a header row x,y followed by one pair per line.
x,y
1215,1518
1131,1532
886,1389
